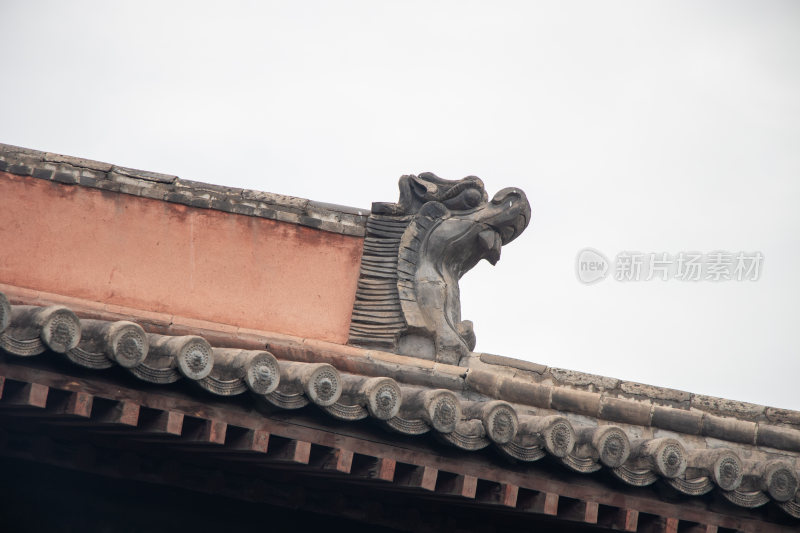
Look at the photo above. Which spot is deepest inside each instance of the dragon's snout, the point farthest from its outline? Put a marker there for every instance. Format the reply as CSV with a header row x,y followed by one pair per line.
x,y
510,213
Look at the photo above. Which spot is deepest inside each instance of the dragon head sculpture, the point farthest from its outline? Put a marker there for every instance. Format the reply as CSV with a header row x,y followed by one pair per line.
x,y
416,250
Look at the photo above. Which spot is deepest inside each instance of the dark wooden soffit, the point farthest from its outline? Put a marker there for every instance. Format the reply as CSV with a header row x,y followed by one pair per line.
x,y
80,420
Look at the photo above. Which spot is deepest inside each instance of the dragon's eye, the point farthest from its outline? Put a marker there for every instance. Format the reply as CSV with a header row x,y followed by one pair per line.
x,y
472,197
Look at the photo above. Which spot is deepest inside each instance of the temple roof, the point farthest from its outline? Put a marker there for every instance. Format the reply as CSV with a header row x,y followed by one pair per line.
x,y
640,434
509,414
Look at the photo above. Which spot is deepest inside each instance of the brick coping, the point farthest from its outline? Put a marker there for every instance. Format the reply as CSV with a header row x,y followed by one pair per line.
x,y
70,170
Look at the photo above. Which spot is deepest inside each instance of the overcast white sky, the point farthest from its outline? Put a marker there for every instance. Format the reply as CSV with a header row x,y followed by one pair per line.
x,y
655,127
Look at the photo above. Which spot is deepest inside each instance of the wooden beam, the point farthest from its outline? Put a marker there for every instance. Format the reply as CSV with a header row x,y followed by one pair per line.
x,y
550,506
590,514
115,413
59,406
334,460
199,431
78,404
539,502
160,423
17,394
379,468
671,525
619,518
247,440
649,523
457,485
628,519
106,417
505,494
509,493
362,440
291,451
422,477
577,510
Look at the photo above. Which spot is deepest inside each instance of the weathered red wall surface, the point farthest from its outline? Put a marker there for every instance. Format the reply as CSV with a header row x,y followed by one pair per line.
x,y
158,256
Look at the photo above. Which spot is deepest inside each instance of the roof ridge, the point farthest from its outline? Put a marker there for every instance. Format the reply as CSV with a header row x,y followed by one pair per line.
x,y
170,188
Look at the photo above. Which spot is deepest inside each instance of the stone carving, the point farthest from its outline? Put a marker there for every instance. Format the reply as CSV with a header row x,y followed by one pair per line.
x,y
727,471
415,252
349,413
692,487
499,419
408,426
779,480
596,447
61,330
126,343
666,456
468,435
362,397
792,507
612,445
262,373
554,433
749,499
320,381
722,465
559,437
500,422
637,477
382,397
105,343
32,330
236,371
287,400
522,452
439,408
169,358
608,445
584,465
195,358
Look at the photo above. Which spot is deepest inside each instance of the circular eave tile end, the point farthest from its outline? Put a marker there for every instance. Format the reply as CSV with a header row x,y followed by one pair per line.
x,y
195,358
263,373
61,329
324,387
